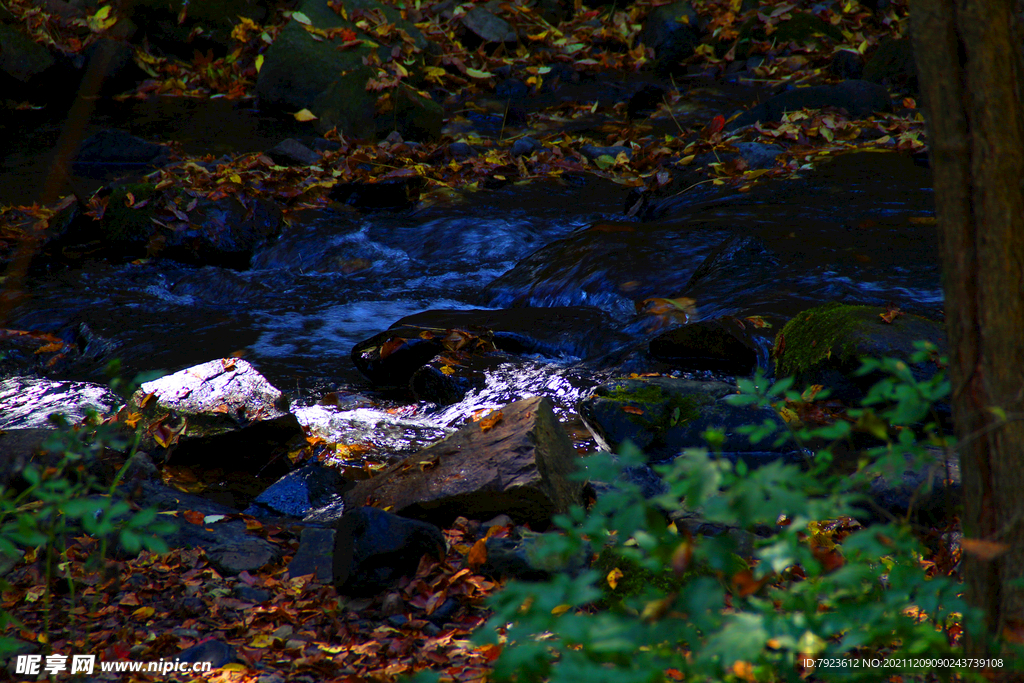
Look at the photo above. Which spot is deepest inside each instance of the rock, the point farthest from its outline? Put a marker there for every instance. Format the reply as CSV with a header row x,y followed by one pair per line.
x,y
250,594
28,402
374,548
291,152
117,148
673,32
824,345
22,58
142,221
738,263
227,543
525,147
518,558
315,555
487,27
512,89
593,152
893,64
930,494
757,154
461,150
216,652
223,414
392,194
182,28
517,461
847,65
663,416
303,72
645,100
720,345
294,494
391,358
858,98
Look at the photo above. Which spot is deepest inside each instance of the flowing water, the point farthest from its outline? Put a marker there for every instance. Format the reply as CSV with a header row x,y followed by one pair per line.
x,y
855,230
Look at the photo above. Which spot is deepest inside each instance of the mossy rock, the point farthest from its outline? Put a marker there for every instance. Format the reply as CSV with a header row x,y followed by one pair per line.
x,y
801,27
824,345
663,416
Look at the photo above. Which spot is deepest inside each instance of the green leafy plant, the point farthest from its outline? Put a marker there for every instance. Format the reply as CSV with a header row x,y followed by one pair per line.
x,y
791,575
65,496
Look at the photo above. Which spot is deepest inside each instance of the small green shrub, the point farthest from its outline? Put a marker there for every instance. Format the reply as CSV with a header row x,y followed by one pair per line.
x,y
738,606
67,498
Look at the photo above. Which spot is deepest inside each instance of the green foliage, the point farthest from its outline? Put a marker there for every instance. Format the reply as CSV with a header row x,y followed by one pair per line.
x,y
66,498
738,606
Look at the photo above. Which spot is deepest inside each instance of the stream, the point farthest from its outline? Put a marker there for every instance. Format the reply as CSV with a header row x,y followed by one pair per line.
x,y
856,229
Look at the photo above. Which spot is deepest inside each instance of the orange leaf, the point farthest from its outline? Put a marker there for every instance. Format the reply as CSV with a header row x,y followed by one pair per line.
x,y
477,555
491,420
633,409
194,517
390,346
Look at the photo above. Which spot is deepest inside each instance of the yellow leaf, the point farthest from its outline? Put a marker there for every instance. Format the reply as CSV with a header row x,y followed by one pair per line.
x,y
259,63
476,73
261,641
613,577
447,369
301,18
144,613
304,115
560,610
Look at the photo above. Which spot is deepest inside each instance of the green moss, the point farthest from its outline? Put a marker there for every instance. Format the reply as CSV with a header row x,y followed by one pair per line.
x,y
829,332
662,409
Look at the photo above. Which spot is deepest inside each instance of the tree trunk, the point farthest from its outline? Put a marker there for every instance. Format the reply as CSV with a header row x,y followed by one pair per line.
x,y
969,64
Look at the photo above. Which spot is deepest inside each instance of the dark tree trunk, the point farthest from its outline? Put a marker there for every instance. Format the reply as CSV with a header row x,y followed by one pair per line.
x,y
969,62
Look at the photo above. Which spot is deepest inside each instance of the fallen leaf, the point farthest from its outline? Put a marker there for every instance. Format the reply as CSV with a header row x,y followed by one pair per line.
x,y
613,577
304,115
491,420
477,555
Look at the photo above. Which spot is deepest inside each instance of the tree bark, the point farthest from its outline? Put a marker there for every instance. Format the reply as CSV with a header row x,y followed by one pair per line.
x,y
969,66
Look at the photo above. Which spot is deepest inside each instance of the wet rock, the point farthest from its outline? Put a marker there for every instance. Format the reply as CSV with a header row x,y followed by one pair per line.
x,y
232,558
315,555
18,448
487,27
374,548
663,416
738,263
893,64
291,152
673,32
294,494
858,98
306,72
512,89
824,345
516,461
250,594
721,345
114,147
391,358
593,152
930,493
183,28
28,402
222,414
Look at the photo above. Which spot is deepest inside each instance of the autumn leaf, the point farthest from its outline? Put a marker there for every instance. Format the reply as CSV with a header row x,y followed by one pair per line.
x,y
613,577
390,346
634,410
304,115
891,313
477,555
491,421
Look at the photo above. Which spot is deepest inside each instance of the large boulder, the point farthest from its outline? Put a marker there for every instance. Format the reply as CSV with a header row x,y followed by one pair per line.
x,y
374,548
222,413
327,73
663,416
824,345
516,461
